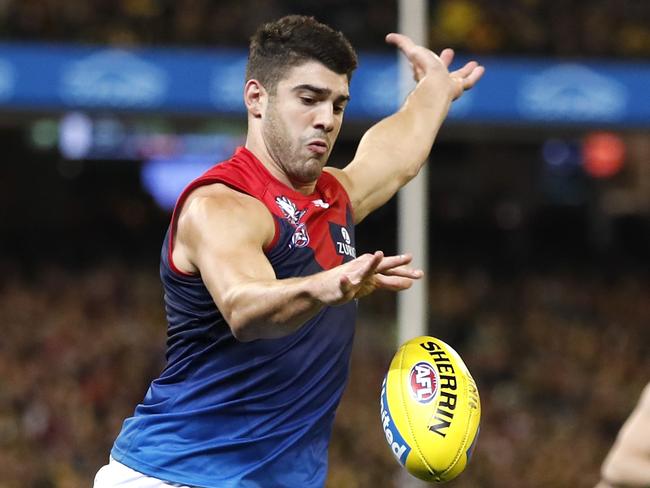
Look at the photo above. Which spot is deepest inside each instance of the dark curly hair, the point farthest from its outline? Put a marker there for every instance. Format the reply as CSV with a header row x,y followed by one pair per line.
x,y
278,46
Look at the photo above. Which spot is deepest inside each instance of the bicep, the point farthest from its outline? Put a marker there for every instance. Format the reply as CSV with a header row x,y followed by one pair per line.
x,y
391,152
369,182
224,236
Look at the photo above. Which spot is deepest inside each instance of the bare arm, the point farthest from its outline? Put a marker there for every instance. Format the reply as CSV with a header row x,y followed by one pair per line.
x,y
392,152
628,462
221,234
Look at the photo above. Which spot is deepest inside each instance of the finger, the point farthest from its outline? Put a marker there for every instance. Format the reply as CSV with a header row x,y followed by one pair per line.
x,y
473,78
393,283
469,74
447,56
466,70
367,267
345,285
404,43
393,261
421,58
404,271
377,258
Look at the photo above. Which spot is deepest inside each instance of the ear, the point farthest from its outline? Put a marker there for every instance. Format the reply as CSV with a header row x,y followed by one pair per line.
x,y
255,98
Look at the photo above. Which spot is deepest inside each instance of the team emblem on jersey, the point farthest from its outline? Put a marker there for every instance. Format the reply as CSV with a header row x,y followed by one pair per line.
x,y
320,203
289,209
300,237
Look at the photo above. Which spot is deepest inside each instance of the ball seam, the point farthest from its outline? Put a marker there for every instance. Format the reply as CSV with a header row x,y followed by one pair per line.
x,y
464,443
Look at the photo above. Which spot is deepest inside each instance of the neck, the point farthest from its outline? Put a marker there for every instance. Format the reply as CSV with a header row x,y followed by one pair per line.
x,y
255,144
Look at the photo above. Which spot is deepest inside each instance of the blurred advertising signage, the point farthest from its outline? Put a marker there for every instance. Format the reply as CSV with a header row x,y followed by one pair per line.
x,y
7,80
572,92
113,78
51,77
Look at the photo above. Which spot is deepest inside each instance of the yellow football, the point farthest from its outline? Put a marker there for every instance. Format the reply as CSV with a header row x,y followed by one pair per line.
x,y
430,409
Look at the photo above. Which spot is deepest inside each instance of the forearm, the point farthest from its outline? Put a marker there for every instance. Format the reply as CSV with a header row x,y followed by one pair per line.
x,y
401,143
392,152
272,308
265,309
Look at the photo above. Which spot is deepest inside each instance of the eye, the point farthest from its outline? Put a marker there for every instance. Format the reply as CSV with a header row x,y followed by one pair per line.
x,y
338,109
308,100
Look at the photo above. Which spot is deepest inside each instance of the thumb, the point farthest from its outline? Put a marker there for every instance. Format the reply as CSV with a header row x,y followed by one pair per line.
x,y
345,284
447,56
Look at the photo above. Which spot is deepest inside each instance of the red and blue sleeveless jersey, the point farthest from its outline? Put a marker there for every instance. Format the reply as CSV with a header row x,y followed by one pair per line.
x,y
225,413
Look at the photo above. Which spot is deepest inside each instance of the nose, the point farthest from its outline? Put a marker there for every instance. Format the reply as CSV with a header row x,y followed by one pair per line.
x,y
324,117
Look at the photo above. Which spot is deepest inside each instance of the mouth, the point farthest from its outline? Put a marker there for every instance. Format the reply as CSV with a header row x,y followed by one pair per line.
x,y
317,146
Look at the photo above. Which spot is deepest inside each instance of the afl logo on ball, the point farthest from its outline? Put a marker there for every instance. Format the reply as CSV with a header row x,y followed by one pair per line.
x,y
423,380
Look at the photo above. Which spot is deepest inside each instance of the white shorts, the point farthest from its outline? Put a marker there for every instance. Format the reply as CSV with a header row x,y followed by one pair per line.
x,y
116,474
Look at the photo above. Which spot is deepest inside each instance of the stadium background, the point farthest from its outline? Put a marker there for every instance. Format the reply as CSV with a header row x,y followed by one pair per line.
x,y
539,267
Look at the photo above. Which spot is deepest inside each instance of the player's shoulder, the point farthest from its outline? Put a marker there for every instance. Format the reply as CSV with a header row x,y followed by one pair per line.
x,y
337,173
339,177
217,192
215,216
343,179
217,204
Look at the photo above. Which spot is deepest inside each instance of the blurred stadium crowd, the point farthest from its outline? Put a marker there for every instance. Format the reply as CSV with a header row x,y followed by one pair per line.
x,y
556,27
559,360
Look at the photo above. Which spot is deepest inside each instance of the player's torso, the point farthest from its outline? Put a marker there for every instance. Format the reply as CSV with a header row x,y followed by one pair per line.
x,y
314,233
229,413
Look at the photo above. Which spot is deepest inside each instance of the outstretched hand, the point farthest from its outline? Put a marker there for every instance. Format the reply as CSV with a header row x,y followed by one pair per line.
x,y
425,62
367,273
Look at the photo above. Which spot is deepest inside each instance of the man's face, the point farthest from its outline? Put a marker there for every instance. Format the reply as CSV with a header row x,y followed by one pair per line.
x,y
303,119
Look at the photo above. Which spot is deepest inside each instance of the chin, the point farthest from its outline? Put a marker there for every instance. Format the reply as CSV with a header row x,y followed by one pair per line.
x,y
313,167
310,177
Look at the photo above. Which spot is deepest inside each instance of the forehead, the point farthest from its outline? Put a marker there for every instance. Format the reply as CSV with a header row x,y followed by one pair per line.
x,y
316,74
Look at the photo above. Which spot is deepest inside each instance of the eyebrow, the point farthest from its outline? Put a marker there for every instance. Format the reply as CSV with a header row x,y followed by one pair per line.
x,y
323,92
